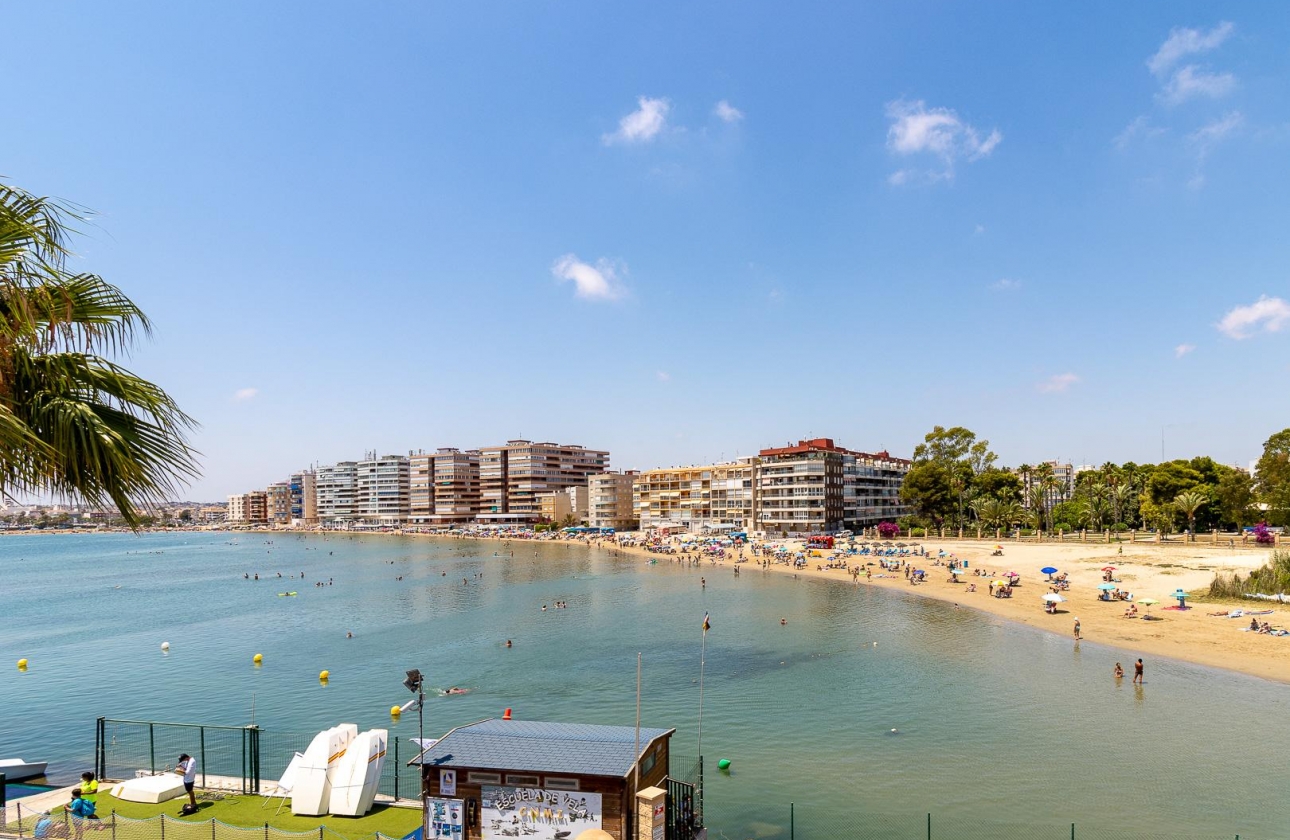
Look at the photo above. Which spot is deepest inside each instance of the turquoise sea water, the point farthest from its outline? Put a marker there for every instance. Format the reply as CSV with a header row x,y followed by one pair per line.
x,y
994,720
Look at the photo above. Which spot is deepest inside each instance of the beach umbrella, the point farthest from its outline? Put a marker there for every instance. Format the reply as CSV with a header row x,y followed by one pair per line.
x,y
1108,568
1148,602
1106,587
1012,575
1054,598
1049,570
1182,597
998,583
956,571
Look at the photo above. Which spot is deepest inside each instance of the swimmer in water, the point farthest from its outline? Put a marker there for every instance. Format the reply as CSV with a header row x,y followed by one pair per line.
x,y
349,635
783,621
508,642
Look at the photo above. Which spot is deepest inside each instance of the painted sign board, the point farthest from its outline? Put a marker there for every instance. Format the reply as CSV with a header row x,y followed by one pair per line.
x,y
536,814
445,819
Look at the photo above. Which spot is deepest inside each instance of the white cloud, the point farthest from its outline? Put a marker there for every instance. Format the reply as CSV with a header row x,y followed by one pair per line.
x,y
1057,383
1140,128
664,376
641,125
1208,136
244,394
1183,42
727,112
1005,284
603,281
1192,81
918,130
1183,349
1268,314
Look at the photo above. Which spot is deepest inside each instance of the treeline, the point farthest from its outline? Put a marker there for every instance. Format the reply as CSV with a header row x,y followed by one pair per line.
x,y
955,482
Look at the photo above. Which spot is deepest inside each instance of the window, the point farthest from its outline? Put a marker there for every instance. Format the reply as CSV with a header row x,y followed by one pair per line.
x,y
484,778
521,781
559,783
647,764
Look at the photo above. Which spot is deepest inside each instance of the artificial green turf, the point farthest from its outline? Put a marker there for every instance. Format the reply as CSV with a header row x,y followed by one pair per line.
x,y
255,811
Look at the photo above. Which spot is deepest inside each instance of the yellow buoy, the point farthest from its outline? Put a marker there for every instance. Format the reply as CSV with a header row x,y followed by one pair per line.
x,y
22,664
395,711
323,675
258,658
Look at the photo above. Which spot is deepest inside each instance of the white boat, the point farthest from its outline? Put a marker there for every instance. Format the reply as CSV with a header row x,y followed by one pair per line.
x,y
17,770
312,792
358,774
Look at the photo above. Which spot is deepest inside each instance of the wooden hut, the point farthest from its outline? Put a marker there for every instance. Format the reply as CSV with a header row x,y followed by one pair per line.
x,y
499,779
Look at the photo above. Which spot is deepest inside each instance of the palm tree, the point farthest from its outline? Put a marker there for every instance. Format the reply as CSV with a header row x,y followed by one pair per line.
x,y
72,422
1188,504
1093,512
1121,498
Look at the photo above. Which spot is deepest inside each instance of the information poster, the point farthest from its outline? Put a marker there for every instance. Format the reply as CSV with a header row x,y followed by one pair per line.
x,y
445,819
537,814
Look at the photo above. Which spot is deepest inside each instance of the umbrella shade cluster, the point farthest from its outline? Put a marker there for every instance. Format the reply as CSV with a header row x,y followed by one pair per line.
x,y
1049,570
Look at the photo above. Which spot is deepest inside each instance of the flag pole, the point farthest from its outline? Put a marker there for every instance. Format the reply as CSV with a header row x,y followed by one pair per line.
x,y
636,774
703,650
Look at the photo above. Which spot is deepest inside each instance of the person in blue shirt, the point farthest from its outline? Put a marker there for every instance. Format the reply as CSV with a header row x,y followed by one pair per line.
x,y
81,810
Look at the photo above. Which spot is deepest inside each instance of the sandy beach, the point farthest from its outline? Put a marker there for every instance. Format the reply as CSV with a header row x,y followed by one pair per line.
x,y
1144,570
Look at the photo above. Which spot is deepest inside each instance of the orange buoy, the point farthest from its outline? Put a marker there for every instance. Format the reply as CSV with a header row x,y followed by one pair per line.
x,y
506,715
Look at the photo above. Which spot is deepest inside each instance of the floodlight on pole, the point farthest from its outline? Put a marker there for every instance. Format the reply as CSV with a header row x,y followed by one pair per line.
x,y
415,683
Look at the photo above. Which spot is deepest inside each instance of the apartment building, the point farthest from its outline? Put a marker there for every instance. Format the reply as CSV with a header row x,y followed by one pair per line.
x,y
816,486
512,476
336,488
871,488
1059,490
304,498
712,498
609,500
443,486
248,508
554,507
278,503
382,490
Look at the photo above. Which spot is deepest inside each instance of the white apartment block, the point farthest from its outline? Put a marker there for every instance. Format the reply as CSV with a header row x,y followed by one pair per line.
x,y
609,500
382,491
336,488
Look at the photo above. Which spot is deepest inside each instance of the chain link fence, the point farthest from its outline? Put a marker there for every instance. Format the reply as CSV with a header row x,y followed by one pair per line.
x,y
246,759
805,824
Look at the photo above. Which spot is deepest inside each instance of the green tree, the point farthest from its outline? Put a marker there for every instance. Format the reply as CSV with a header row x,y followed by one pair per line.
x,y
1272,477
1234,497
927,488
1188,504
961,455
1000,484
1093,511
73,423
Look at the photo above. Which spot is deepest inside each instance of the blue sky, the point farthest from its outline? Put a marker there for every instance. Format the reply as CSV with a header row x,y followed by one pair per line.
x,y
680,231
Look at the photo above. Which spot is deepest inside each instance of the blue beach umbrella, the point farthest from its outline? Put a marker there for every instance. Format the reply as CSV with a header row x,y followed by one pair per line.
x,y
1106,587
1049,570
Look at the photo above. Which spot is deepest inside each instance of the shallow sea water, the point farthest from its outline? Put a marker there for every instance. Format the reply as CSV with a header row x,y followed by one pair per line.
x,y
994,721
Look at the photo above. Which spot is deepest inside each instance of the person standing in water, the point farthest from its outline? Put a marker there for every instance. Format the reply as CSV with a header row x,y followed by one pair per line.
x,y
1137,672
1077,629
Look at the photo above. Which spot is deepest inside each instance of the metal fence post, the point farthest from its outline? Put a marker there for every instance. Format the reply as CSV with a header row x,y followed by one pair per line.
x,y
99,748
212,828
114,825
255,739
152,749
266,831
396,768
791,821
929,827
201,740
1072,831
19,807
162,823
